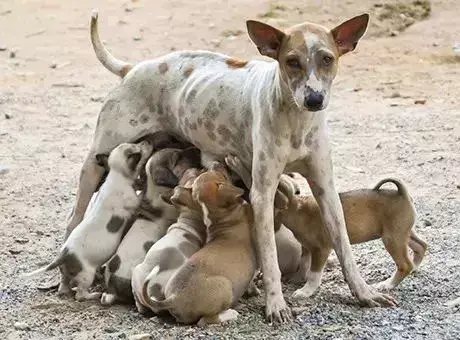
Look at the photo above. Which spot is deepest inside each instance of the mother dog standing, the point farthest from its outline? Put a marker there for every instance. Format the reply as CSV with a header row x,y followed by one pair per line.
x,y
268,113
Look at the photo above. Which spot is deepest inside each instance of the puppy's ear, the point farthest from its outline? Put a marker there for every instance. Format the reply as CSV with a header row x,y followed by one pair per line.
x,y
229,193
133,160
162,176
347,34
102,159
268,39
188,158
166,196
182,196
219,167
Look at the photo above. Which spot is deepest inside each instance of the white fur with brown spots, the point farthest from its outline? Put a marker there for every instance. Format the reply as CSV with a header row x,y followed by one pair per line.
x,y
265,112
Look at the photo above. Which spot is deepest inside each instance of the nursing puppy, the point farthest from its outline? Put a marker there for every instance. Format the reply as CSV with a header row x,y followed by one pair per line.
x,y
183,238
96,238
212,281
369,214
153,218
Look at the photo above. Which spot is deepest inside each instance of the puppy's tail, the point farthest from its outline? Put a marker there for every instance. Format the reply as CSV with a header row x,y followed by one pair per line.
x,y
56,263
152,303
114,65
402,190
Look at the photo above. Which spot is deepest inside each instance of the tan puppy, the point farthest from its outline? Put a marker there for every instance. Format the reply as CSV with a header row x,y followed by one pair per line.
x,y
213,279
369,214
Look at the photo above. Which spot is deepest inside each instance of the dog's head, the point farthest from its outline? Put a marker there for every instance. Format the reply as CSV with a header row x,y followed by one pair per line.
x,y
167,166
215,193
127,158
307,55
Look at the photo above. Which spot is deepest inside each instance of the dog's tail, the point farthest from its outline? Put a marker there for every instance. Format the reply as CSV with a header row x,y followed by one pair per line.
x,y
56,263
151,302
402,190
114,65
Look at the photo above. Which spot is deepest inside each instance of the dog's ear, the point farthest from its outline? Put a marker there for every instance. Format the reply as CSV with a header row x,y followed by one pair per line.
x,y
348,33
102,159
188,158
182,196
229,193
163,177
166,196
268,39
133,160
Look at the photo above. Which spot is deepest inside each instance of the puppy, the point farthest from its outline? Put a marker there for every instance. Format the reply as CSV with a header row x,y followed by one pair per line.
x,y
183,238
96,238
213,279
153,218
369,214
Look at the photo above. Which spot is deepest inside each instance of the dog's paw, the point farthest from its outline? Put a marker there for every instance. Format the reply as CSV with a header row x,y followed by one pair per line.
x,y
373,298
302,294
108,299
277,311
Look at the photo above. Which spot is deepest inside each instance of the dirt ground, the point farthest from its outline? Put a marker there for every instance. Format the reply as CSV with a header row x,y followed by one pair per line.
x,y
394,112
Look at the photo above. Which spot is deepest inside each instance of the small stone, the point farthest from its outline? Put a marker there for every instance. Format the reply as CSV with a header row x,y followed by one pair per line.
x,y
357,89
21,326
21,240
420,101
394,33
12,54
3,48
129,9
215,42
435,44
144,336
378,146
3,170
137,38
427,223
110,330
15,251
8,116
53,65
458,186
393,104
395,95
97,99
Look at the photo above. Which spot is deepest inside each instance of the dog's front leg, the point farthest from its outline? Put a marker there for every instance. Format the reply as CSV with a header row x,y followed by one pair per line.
x,y
265,178
318,170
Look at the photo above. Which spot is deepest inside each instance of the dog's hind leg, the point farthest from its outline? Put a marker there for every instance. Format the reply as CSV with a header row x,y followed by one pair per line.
x,y
419,247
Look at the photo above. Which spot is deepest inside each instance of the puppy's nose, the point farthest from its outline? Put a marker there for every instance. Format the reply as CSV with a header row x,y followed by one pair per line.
x,y
314,101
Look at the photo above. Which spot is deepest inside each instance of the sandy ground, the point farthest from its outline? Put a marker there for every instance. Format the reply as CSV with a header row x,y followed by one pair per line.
x,y
394,111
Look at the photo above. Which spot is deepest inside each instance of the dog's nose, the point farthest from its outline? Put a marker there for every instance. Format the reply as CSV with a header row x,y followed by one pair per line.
x,y
314,101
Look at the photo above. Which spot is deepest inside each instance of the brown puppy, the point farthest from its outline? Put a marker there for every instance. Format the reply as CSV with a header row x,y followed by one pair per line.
x,y
213,279
369,214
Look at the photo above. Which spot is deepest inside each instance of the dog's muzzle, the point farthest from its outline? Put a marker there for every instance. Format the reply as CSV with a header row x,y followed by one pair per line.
x,y
314,101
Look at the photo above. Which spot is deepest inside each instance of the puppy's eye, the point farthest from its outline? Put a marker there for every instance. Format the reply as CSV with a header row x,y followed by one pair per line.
x,y
328,60
293,63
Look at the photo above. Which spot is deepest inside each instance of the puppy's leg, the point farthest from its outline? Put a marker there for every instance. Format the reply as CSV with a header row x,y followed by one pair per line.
x,y
419,247
85,279
225,316
300,276
317,168
265,177
90,176
397,247
318,261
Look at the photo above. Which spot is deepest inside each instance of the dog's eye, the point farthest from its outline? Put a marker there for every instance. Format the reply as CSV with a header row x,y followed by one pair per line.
x,y
328,60
293,63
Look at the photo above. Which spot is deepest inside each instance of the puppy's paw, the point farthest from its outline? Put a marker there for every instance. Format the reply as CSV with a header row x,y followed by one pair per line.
x,y
108,299
225,316
302,294
383,286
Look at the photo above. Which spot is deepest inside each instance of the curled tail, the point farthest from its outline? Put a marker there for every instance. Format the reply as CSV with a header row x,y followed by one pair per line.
x,y
56,263
399,184
114,65
152,303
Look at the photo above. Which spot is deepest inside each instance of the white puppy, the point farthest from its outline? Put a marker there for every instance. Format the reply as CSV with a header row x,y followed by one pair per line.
x,y
153,218
96,238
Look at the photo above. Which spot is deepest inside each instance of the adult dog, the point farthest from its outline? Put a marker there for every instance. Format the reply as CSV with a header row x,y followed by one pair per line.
x,y
268,113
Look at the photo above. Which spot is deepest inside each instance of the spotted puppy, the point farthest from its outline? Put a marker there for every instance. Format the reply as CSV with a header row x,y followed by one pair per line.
x,y
96,238
183,238
153,218
212,281
369,214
